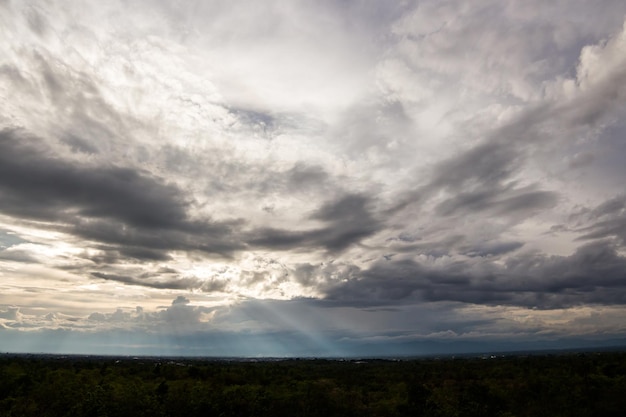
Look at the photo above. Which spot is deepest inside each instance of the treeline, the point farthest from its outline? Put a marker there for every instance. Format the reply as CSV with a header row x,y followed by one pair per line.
x,y
556,385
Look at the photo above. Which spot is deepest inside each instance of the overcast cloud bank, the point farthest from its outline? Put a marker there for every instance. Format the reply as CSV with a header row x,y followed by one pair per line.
x,y
312,177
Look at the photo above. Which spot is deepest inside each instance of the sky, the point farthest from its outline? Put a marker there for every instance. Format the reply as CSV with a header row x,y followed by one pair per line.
x,y
299,178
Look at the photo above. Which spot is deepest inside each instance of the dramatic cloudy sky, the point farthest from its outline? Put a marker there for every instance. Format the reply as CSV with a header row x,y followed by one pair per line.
x,y
334,177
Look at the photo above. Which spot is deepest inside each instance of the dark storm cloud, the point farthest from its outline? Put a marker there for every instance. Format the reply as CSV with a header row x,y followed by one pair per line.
x,y
595,273
134,214
391,282
128,208
349,221
211,238
38,185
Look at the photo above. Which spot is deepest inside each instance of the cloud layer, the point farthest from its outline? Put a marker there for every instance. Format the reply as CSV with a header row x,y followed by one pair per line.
x,y
264,166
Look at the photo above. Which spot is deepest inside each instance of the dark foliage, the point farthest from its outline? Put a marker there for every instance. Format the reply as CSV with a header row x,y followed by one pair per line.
x,y
554,385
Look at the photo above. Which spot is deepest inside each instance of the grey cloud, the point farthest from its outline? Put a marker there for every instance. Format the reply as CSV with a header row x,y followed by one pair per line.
x,y
105,256
305,274
181,300
498,201
468,201
611,207
234,176
349,207
608,221
487,164
491,248
521,45
53,81
175,283
435,247
78,144
470,295
38,184
303,176
482,174
36,21
139,213
67,88
581,160
151,128
369,15
593,274
170,284
324,274
480,184
481,178
143,254
384,282
14,75
210,238
283,239
527,202
608,228
484,170
349,221
487,169
71,99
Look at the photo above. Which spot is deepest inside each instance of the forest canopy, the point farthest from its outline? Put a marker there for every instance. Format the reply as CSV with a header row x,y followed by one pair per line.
x,y
555,385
